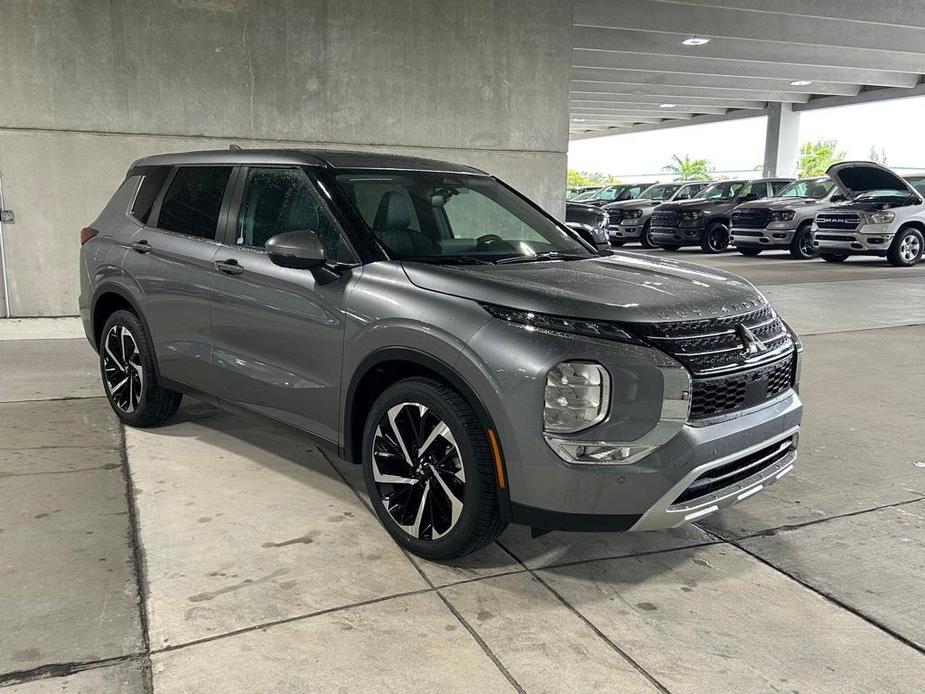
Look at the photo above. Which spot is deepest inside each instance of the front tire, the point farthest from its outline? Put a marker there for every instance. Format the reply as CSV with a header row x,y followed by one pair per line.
x,y
833,257
715,238
801,247
130,374
645,238
429,470
906,249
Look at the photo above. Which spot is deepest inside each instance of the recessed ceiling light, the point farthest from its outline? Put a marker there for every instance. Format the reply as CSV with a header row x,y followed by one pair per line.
x,y
801,83
579,120
696,41
667,105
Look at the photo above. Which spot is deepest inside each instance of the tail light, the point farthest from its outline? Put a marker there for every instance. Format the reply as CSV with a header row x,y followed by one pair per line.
x,y
86,234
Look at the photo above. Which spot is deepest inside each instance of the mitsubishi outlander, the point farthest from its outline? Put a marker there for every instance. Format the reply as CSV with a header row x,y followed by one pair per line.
x,y
428,322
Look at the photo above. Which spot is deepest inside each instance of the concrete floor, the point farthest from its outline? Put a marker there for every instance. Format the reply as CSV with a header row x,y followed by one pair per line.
x,y
222,554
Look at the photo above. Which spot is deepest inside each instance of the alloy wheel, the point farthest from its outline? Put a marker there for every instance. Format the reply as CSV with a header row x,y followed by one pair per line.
x,y
122,368
718,238
806,244
418,471
909,248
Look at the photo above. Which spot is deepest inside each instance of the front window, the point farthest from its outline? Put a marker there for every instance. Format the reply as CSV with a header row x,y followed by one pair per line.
x,y
689,191
659,192
460,218
611,193
726,190
816,188
917,182
587,195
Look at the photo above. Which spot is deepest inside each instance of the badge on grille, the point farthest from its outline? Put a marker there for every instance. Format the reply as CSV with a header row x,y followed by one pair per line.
x,y
752,344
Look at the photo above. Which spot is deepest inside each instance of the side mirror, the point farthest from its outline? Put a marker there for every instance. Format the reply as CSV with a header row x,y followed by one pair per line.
x,y
301,250
838,197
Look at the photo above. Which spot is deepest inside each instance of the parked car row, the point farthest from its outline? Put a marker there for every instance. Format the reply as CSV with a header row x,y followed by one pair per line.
x,y
857,208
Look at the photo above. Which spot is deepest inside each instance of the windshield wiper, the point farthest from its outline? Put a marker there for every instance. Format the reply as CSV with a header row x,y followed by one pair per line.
x,y
451,260
546,255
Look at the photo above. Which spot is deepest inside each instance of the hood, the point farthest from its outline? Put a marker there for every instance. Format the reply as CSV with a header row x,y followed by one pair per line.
x,y
858,177
790,203
632,204
698,204
621,287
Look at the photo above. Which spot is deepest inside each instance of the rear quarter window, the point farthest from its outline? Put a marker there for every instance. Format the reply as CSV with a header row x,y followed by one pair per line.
x,y
151,183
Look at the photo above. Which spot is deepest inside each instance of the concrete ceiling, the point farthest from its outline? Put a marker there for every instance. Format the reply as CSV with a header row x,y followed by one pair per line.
x,y
628,59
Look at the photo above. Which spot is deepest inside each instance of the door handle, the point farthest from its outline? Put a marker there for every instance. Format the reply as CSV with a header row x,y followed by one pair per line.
x,y
141,246
229,267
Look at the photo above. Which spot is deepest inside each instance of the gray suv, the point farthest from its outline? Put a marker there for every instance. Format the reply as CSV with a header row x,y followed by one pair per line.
x,y
426,321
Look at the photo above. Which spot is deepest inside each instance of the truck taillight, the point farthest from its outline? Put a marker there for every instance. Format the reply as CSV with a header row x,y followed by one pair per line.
x,y
86,234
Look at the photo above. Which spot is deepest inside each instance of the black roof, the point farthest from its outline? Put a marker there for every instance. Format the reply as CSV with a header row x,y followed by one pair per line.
x,y
341,159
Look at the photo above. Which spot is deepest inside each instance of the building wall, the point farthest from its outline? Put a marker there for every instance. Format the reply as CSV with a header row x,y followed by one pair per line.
x,y
90,85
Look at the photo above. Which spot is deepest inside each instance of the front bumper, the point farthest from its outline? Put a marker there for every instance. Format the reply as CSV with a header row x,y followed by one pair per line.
x,y
750,451
870,239
768,237
677,236
626,230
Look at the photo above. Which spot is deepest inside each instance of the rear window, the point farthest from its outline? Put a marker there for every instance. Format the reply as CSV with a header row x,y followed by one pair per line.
x,y
193,200
151,184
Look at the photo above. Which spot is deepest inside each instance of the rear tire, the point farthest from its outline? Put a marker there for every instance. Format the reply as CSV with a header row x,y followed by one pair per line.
x,y
801,246
833,257
715,238
750,252
906,249
129,373
645,238
436,494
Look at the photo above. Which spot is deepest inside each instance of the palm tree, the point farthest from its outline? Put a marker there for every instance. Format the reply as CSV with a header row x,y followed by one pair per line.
x,y
688,169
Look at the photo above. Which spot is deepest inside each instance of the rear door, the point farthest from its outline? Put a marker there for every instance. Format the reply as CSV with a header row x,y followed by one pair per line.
x,y
278,332
170,262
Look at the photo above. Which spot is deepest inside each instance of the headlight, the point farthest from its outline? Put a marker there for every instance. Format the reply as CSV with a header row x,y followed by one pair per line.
x,y
603,221
571,326
692,214
577,396
884,217
632,214
782,215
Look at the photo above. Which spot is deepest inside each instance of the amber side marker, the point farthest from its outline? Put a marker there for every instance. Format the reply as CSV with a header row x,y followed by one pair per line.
x,y
496,455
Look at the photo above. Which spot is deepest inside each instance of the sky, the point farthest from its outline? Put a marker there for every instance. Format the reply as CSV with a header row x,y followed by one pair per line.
x,y
737,147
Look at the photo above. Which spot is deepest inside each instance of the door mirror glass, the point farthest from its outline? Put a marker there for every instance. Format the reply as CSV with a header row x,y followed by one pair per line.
x,y
301,250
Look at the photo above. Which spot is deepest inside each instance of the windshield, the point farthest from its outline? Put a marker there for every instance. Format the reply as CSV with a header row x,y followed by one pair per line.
x,y
610,193
917,182
587,195
816,188
459,218
659,192
722,191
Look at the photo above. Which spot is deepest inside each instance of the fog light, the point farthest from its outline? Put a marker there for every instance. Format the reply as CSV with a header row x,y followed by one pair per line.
x,y
597,452
577,396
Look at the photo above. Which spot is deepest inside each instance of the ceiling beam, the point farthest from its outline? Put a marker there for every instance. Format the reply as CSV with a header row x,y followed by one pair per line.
x,y
693,81
656,100
738,68
693,94
605,106
711,20
864,97
776,50
696,120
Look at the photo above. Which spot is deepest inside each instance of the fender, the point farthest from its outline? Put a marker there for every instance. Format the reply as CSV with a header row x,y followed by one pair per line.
x,y
122,292
427,361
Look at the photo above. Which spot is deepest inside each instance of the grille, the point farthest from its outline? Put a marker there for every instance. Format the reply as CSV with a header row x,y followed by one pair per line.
x,y
739,232
844,221
615,216
832,237
751,218
724,394
665,218
723,476
713,344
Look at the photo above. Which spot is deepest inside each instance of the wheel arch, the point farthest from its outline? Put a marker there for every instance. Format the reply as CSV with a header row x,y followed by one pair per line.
x,y
107,299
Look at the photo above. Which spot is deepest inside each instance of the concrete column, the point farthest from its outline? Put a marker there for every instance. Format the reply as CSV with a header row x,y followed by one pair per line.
x,y
782,141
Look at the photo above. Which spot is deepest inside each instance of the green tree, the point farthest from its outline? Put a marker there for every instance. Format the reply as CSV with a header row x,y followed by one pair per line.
x,y
877,157
577,178
816,157
687,169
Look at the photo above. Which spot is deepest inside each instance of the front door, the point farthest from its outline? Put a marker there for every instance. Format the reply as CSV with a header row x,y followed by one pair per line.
x,y
171,266
277,332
